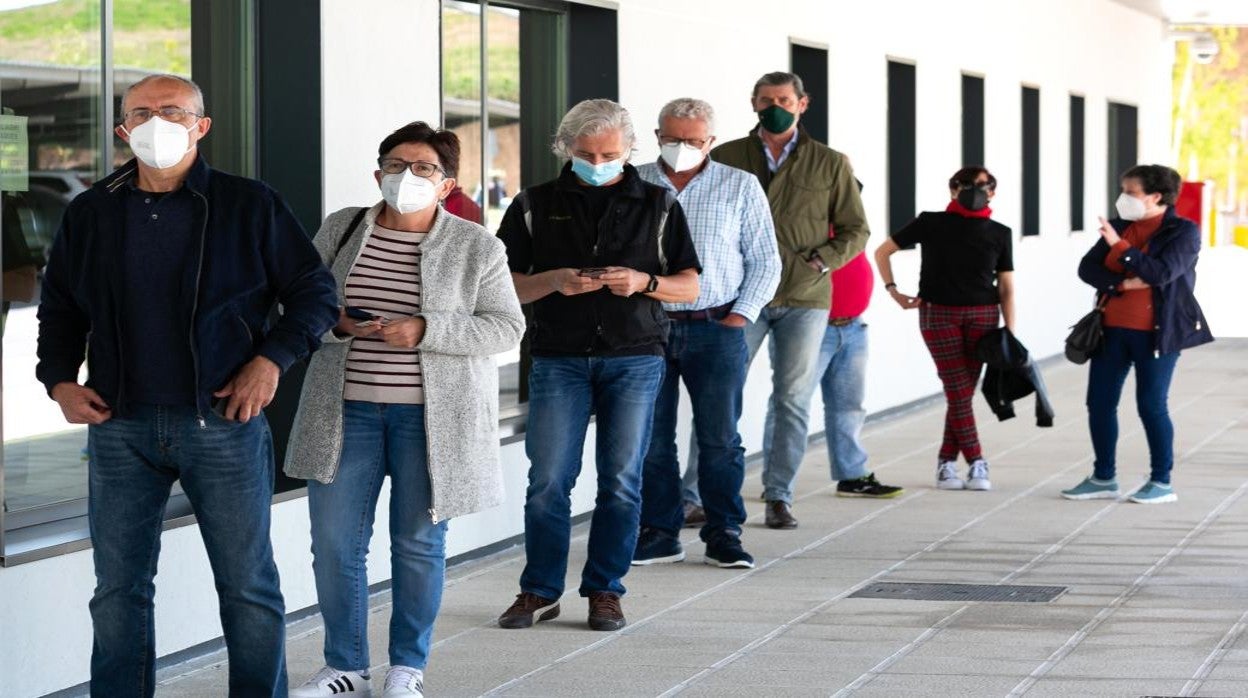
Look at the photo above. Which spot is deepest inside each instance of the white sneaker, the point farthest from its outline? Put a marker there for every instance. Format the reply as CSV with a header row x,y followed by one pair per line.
x,y
947,476
977,477
331,682
404,681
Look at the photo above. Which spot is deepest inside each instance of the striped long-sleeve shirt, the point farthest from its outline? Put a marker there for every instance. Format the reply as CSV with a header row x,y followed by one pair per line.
x,y
385,281
730,221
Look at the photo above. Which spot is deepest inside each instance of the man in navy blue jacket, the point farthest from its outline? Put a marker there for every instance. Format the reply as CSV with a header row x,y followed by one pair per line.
x,y
162,277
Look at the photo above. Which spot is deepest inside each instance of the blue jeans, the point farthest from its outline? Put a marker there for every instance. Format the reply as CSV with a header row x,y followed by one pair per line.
x,y
711,358
796,338
226,471
378,440
1106,375
563,392
843,367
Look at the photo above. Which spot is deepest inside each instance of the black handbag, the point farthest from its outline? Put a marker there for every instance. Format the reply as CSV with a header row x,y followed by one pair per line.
x,y
1086,335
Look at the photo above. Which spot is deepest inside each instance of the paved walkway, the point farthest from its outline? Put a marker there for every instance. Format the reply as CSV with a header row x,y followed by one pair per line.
x,y
1155,604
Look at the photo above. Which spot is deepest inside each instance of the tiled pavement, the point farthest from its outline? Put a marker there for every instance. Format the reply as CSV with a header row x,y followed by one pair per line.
x,y
1157,599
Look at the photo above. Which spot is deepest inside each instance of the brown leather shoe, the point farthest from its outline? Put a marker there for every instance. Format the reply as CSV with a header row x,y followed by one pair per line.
x,y
521,612
605,612
695,516
779,515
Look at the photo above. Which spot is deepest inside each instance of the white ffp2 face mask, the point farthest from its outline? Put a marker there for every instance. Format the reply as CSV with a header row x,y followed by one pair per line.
x,y
160,144
681,157
408,193
1129,207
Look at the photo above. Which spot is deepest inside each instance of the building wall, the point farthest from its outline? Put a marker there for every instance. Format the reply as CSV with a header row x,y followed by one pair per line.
x,y
712,49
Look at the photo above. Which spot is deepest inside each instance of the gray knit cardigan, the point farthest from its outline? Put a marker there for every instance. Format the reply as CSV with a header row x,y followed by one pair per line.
x,y
471,312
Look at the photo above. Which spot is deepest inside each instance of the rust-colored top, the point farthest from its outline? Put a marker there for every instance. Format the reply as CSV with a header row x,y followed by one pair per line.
x,y
1132,310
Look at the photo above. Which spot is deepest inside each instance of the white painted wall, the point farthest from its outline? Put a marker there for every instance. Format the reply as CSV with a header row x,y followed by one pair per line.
x,y
1096,48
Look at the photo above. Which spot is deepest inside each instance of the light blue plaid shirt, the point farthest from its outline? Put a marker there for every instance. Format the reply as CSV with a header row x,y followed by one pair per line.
x,y
730,220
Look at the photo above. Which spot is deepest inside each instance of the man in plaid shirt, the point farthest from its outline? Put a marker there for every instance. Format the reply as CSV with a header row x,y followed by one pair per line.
x,y
733,233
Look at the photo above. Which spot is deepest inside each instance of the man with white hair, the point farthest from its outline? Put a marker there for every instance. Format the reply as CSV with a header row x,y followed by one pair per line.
x,y
736,241
597,252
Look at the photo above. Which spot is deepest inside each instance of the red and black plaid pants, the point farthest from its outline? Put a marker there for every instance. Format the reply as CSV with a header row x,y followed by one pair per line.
x,y
951,332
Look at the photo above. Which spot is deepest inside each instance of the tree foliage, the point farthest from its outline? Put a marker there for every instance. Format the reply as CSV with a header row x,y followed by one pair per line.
x,y
1213,113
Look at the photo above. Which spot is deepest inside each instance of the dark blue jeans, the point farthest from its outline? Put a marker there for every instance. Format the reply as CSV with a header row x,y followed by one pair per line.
x,y
711,358
563,392
1122,350
226,471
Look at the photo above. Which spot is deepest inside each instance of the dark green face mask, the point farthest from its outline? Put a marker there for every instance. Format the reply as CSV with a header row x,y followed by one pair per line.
x,y
776,119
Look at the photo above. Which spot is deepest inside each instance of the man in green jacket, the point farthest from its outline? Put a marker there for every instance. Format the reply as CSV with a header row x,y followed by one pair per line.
x,y
810,187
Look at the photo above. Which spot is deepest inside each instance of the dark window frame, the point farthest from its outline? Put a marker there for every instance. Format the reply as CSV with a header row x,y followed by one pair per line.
x,y
973,119
902,141
809,60
1078,159
1029,181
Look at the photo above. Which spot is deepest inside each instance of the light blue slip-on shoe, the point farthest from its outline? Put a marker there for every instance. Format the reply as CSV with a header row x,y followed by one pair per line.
x,y
1091,488
1154,493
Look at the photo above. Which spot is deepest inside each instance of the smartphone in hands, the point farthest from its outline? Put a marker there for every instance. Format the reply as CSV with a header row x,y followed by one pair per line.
x,y
362,317
592,272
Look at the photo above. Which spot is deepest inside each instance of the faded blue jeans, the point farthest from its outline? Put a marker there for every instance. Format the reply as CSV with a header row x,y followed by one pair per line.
x,y
563,392
226,471
796,340
378,440
843,371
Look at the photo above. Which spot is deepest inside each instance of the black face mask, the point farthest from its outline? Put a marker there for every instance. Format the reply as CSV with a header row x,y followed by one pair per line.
x,y
973,199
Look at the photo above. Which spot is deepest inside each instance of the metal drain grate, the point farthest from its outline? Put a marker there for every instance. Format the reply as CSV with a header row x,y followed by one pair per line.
x,y
920,591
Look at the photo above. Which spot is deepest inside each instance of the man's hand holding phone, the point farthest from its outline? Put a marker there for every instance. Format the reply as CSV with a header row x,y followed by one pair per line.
x,y
572,282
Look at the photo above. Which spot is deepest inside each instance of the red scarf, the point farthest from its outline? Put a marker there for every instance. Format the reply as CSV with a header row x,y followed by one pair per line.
x,y
955,207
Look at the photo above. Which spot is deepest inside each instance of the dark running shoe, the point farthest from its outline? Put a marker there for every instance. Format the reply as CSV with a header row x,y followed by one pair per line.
x,y
867,487
724,550
605,612
521,612
655,546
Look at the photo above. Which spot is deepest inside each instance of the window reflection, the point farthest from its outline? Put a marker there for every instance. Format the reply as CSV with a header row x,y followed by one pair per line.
x,y
50,74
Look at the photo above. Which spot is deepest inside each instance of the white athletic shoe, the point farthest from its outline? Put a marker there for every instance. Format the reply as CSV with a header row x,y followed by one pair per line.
x,y
331,682
404,681
977,477
947,476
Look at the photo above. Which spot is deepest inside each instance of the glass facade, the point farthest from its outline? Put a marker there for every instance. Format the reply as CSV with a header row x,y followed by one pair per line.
x,y
59,92
483,48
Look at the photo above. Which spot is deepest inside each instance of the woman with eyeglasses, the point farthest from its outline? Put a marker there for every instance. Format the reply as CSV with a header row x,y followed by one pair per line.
x,y
404,386
966,284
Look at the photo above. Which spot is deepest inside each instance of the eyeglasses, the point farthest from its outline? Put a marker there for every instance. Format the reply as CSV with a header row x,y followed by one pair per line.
x,y
975,185
420,168
698,143
178,115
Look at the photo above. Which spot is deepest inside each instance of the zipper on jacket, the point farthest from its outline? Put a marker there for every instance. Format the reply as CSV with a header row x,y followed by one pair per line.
x,y
199,272
247,328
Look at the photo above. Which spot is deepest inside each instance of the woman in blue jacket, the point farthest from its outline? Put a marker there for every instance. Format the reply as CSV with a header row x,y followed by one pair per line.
x,y
1144,271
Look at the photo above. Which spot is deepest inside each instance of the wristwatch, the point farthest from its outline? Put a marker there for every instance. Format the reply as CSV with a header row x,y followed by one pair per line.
x,y
653,285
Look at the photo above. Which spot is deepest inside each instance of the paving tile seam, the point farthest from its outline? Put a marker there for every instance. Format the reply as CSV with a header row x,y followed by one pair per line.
x,y
1206,668
735,579
1074,641
779,630
1215,657
935,629
760,641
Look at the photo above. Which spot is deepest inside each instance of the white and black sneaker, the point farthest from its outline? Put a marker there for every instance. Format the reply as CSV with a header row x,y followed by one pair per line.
x,y
977,476
331,682
404,681
947,476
